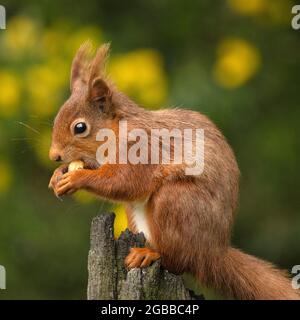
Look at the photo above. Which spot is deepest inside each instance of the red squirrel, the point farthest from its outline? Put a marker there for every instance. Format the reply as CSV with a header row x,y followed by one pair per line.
x,y
186,219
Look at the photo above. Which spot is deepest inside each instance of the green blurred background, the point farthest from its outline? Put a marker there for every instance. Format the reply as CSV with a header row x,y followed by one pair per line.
x,y
235,60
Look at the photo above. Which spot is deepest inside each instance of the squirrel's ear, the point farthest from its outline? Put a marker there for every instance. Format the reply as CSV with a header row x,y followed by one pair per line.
x,y
100,95
80,64
99,92
97,68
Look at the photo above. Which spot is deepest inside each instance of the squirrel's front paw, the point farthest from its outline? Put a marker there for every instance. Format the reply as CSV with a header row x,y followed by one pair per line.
x,y
57,174
69,182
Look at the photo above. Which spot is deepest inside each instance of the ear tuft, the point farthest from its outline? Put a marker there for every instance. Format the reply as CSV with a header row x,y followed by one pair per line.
x,y
80,64
91,72
99,62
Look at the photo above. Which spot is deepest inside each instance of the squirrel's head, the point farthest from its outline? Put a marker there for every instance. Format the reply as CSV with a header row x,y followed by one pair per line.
x,y
89,108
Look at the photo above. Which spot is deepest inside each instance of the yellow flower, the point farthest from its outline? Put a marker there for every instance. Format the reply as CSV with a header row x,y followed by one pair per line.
x,y
46,85
247,7
21,36
277,11
237,62
10,93
6,176
140,74
120,220
63,40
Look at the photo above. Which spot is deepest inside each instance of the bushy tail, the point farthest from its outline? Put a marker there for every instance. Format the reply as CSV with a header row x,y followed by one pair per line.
x,y
245,277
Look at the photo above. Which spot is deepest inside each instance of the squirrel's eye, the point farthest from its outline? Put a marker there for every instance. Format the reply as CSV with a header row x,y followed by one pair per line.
x,y
80,127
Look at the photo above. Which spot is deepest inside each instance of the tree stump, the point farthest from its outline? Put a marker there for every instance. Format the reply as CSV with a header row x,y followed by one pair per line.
x,y
108,277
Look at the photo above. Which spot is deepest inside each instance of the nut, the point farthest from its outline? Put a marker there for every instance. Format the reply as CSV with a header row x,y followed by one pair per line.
x,y
75,165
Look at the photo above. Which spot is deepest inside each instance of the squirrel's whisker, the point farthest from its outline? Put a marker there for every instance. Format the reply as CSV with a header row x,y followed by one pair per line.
x,y
28,127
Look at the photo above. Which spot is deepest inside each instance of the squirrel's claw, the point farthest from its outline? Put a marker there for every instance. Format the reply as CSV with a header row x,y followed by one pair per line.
x,y
57,174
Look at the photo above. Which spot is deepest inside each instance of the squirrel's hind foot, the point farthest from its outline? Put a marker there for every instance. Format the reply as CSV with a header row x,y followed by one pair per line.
x,y
141,257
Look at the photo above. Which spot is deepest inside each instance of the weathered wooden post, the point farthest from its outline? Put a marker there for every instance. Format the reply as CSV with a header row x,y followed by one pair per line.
x,y
108,277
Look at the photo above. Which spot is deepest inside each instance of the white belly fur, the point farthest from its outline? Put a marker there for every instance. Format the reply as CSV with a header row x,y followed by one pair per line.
x,y
140,219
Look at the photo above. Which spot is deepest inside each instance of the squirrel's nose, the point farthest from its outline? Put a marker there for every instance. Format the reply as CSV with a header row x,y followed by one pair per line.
x,y
54,155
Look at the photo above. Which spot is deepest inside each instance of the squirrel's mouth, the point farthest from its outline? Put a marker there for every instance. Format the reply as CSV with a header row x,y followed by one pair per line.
x,y
89,163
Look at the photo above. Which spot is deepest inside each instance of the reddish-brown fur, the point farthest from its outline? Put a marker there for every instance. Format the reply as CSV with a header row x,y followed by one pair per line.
x,y
189,217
